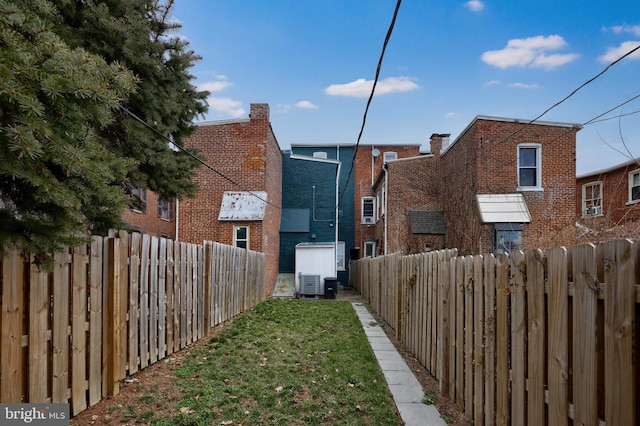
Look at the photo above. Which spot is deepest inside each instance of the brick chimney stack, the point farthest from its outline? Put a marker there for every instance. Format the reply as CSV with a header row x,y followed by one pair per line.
x,y
439,142
259,111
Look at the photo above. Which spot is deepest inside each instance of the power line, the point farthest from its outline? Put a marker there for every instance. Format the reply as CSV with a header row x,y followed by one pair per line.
x,y
222,175
373,89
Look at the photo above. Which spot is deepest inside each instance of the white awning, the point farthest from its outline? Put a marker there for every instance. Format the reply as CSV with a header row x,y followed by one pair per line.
x,y
503,208
242,205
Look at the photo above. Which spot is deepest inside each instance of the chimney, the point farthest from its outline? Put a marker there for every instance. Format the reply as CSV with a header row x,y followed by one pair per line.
x,y
439,142
259,111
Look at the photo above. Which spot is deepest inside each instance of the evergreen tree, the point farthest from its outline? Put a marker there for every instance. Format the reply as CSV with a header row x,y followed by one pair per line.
x,y
57,177
140,35
74,74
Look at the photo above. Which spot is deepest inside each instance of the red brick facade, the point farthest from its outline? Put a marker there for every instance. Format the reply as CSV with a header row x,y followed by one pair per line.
x,y
616,207
367,169
246,153
149,221
482,160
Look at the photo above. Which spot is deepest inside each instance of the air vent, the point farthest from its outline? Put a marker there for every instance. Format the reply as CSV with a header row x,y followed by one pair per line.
x,y
309,285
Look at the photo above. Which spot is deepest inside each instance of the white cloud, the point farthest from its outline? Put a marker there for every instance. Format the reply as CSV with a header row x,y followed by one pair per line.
x,y
523,86
530,52
452,115
474,5
215,86
614,53
226,106
620,29
306,105
493,83
361,88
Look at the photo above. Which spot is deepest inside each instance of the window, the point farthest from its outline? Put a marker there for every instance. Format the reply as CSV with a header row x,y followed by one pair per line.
x,y
368,210
592,199
165,209
634,186
139,201
320,154
369,249
507,237
340,256
389,155
241,236
529,167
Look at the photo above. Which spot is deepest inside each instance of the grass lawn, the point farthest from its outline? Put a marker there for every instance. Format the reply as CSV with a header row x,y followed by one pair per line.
x,y
286,362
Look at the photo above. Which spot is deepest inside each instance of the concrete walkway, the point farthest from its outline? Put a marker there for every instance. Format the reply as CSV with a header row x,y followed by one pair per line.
x,y
404,386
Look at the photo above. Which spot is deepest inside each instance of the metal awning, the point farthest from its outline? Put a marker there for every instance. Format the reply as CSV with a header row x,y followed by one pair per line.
x,y
243,205
503,208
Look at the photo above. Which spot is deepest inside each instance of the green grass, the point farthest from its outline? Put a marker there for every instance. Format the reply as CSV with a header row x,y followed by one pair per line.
x,y
286,362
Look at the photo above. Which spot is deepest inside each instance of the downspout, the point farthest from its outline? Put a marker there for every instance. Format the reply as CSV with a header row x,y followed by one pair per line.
x,y
386,204
337,211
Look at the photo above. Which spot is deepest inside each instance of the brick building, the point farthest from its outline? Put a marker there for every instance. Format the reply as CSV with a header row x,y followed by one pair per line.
x,y
152,215
369,200
239,201
609,198
502,184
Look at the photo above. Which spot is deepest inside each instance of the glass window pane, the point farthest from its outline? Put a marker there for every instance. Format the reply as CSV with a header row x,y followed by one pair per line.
x,y
241,233
528,177
241,244
527,157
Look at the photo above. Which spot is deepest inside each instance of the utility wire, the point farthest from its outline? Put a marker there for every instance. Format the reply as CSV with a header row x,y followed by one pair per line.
x,y
373,89
157,132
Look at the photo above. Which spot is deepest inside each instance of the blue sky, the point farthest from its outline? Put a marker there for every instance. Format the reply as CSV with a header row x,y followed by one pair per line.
x,y
314,61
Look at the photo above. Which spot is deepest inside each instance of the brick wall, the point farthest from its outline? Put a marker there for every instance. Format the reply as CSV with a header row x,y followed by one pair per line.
x,y
616,211
365,174
149,222
247,154
483,160
413,185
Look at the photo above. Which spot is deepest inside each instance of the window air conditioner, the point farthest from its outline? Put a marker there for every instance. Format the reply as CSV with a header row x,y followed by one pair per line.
x,y
594,210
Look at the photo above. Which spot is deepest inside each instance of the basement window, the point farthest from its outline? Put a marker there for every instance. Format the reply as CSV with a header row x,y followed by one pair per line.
x,y
506,237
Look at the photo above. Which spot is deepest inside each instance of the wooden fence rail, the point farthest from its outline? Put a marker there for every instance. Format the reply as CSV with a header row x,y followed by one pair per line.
x,y
112,308
525,339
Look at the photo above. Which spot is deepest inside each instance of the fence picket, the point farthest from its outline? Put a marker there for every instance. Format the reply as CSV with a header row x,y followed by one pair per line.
x,y
39,303
11,334
80,264
536,337
584,336
60,323
619,274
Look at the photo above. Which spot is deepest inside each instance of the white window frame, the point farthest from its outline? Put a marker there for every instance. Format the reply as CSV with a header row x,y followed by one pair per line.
x,y
389,156
237,240
592,206
364,218
633,174
340,256
538,166
165,209
140,194
369,249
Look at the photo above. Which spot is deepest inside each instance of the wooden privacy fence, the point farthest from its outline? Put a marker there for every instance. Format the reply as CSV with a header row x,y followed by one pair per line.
x,y
522,339
112,308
